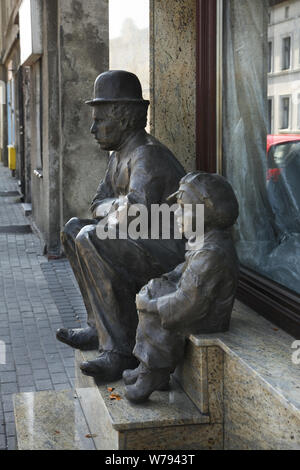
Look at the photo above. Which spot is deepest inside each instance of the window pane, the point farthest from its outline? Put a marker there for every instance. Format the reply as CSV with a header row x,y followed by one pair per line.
x,y
270,57
285,113
261,138
286,53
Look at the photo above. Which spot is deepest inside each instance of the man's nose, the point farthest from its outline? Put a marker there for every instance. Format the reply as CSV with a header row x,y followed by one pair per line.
x,y
94,128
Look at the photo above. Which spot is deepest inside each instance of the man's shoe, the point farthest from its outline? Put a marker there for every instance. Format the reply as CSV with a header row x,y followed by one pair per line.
x,y
109,366
131,376
148,381
85,339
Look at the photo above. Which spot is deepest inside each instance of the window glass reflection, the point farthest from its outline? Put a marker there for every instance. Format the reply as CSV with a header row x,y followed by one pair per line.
x,y
261,133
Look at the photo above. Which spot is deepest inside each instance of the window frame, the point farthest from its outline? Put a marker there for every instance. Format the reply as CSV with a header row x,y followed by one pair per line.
x,y
268,298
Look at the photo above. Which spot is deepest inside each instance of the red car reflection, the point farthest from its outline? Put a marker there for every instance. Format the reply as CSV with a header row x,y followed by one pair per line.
x,y
273,140
283,180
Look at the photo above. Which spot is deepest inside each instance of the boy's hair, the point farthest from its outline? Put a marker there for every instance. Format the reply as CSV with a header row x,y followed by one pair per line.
x,y
216,193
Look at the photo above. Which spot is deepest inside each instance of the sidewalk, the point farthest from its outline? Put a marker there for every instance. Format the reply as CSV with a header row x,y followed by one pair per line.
x,y
36,298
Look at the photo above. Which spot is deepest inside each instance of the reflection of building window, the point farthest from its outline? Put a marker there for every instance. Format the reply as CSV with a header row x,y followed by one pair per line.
x,y
285,112
287,12
286,53
270,56
270,113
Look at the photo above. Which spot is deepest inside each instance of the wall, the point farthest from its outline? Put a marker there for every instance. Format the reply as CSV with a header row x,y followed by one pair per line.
x,y
75,52
83,49
173,76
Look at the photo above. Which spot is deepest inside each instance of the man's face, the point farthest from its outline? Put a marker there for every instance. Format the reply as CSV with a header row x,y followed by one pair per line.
x,y
108,132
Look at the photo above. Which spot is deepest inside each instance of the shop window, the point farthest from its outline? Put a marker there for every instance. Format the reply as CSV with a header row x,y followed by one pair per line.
x,y
261,155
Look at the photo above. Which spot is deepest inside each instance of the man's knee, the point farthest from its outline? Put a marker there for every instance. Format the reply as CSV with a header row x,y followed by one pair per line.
x,y
83,236
70,230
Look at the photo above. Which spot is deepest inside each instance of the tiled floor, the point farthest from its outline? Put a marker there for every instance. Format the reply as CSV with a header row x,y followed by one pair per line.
x,y
36,298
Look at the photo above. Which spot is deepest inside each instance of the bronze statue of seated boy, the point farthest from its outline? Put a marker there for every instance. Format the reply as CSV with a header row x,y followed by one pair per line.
x,y
197,296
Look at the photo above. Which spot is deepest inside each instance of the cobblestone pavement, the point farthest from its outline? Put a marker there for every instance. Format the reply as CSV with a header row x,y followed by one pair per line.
x,y
36,298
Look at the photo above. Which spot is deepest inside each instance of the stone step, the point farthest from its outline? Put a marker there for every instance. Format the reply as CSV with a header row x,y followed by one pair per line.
x,y
87,419
27,209
169,420
51,421
90,418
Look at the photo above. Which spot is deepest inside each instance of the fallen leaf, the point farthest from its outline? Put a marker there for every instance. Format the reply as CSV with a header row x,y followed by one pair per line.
x,y
57,432
275,329
115,396
110,389
90,436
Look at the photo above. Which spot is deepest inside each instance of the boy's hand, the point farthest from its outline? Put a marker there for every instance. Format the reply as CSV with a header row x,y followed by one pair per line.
x,y
144,302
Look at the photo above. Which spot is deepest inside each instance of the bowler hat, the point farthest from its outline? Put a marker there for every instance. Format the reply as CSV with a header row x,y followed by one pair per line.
x,y
116,86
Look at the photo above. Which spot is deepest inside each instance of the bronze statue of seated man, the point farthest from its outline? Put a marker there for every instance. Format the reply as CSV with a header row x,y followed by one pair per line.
x,y
111,272
197,296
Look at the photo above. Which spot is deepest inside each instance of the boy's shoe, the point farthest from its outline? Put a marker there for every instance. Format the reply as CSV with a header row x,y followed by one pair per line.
x,y
131,376
147,382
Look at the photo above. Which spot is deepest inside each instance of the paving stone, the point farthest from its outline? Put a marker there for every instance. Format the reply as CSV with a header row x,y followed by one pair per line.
x,y
41,374
9,417
59,378
64,386
9,388
2,442
11,443
24,370
10,430
42,385
26,380
8,377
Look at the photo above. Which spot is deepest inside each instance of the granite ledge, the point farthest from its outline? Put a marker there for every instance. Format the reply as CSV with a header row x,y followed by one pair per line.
x,y
263,349
163,409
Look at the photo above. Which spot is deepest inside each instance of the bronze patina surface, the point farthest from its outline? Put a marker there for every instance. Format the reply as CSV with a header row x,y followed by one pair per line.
x,y
111,272
197,296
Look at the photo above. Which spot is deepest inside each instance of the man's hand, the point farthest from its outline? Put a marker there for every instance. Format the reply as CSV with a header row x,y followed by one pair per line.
x,y
103,208
144,302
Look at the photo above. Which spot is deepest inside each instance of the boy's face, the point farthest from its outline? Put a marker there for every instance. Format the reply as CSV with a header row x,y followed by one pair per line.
x,y
184,213
187,210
